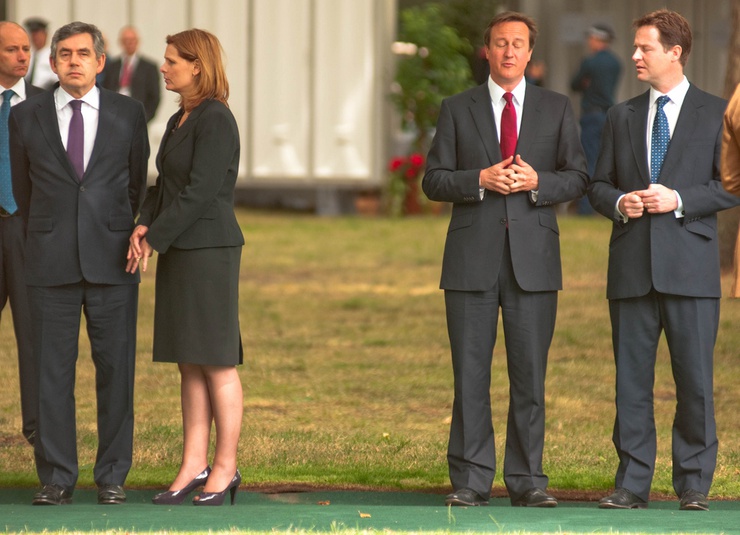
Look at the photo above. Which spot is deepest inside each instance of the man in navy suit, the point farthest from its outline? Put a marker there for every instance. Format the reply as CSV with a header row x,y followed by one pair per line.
x,y
79,160
14,60
503,251
658,180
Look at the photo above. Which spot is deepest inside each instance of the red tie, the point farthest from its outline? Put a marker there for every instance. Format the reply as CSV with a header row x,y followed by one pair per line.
x,y
508,128
125,79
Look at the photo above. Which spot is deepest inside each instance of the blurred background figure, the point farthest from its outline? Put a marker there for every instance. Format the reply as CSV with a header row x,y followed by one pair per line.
x,y
597,80
133,75
39,70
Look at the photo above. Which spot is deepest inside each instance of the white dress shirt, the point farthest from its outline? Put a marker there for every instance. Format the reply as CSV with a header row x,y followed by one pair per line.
x,y
90,113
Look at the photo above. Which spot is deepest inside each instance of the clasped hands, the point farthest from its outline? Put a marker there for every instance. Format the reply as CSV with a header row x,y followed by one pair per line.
x,y
511,175
139,250
657,199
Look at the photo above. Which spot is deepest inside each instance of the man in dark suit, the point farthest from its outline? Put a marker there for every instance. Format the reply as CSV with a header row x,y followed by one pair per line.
x,y
658,180
79,159
132,74
503,251
14,58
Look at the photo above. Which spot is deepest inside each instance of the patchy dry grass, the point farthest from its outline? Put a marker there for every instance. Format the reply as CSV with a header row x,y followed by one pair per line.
x,y
347,374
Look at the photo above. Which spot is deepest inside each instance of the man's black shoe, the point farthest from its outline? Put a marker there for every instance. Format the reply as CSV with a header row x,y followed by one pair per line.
x,y
111,494
52,495
465,497
621,498
535,498
693,500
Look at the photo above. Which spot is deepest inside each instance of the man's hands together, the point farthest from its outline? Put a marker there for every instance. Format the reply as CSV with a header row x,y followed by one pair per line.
x,y
510,176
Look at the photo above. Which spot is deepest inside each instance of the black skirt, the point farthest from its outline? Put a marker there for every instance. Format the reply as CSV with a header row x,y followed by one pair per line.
x,y
196,309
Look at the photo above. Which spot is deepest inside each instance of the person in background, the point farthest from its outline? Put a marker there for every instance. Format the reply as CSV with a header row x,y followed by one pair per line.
x,y
505,153
15,52
39,72
596,80
132,74
79,164
658,180
188,218
731,167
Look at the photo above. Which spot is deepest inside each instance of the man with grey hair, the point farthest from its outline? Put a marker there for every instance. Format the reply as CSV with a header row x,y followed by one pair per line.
x,y
79,161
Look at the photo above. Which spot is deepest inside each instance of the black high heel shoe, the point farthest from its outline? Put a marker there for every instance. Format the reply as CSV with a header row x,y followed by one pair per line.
x,y
217,498
176,497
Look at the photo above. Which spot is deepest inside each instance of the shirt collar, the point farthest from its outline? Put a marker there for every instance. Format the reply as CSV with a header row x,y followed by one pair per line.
x,y
19,89
92,98
676,95
497,92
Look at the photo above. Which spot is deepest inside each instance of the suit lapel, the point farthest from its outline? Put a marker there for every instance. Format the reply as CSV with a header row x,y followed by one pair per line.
x,y
637,112
530,119
482,112
107,115
687,120
46,114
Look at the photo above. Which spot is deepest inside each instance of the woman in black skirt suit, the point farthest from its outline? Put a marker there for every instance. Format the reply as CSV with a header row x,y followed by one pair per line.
x,y
188,218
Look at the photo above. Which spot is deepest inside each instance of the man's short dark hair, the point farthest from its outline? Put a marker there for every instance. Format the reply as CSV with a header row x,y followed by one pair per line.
x,y
512,16
76,28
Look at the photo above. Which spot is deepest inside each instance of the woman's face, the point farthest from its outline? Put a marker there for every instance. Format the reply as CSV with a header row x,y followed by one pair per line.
x,y
179,73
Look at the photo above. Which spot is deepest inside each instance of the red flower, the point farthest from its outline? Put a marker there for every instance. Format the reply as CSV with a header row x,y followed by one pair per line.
x,y
416,159
395,163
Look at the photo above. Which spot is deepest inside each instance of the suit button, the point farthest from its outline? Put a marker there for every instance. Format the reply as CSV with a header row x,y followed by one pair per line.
x,y
82,188
503,221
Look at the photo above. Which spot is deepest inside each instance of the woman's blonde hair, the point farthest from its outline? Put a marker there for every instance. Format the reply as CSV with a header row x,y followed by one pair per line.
x,y
203,48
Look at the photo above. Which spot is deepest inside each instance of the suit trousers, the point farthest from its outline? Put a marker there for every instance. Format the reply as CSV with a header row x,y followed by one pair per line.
x,y
690,325
472,322
13,288
110,314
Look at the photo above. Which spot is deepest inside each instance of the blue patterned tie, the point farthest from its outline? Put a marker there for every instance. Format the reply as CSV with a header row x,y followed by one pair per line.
x,y
661,139
7,202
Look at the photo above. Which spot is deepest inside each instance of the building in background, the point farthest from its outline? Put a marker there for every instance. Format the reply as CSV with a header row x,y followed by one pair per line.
x,y
310,78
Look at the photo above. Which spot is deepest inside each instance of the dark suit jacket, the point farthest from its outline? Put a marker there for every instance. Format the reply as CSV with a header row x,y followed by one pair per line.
x,y
32,90
144,83
677,256
191,206
78,229
466,142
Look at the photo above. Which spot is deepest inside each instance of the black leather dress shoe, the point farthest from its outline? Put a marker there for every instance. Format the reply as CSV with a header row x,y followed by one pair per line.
x,y
621,498
111,494
693,500
52,495
465,497
535,498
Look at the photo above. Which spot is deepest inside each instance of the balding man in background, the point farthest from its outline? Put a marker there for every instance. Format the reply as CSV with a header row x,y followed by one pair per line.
x,y
133,75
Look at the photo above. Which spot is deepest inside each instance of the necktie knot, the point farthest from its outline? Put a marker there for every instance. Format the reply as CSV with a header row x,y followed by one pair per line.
x,y
7,95
508,96
662,101
76,105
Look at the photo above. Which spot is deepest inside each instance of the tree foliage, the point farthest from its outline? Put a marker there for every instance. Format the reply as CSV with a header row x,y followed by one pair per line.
x,y
438,69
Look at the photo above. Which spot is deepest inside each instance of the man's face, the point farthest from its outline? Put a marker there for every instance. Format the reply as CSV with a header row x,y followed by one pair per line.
x,y
508,53
654,64
15,52
38,38
76,65
129,41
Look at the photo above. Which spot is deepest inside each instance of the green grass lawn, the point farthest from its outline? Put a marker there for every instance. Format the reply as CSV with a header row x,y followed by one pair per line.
x,y
347,375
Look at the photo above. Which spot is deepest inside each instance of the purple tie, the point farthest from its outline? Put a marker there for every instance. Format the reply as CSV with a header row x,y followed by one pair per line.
x,y
76,139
